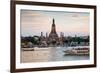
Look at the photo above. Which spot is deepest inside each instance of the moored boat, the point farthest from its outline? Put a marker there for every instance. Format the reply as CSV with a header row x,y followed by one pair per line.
x,y
27,49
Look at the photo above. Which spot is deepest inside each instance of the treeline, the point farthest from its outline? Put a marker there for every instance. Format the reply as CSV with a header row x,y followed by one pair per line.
x,y
76,40
35,39
79,39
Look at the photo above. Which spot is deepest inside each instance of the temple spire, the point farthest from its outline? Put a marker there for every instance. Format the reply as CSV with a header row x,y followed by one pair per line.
x,y
53,24
53,29
41,34
53,21
53,36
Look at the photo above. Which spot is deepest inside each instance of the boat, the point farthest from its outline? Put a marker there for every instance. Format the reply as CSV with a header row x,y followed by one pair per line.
x,y
27,49
77,52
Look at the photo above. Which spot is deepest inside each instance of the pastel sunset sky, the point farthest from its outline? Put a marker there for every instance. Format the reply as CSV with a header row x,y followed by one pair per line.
x,y
70,23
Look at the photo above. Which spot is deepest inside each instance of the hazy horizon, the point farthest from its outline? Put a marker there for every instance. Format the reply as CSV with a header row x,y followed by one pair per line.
x,y
70,23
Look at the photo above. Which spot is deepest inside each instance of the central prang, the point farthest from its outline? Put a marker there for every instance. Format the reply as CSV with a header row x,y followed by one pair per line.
x,y
52,39
53,36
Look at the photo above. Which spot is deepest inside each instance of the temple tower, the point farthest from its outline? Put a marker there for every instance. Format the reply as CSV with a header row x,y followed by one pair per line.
x,y
53,36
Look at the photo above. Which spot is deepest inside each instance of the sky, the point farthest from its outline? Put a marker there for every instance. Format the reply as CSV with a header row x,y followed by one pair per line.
x,y
34,22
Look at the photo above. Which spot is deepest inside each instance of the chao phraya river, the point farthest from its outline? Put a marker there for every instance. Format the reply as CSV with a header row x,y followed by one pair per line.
x,y
48,54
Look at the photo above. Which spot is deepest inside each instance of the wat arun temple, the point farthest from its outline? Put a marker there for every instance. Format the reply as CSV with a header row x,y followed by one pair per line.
x,y
52,39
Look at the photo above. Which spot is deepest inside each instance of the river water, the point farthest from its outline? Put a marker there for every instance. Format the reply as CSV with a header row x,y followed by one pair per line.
x,y
48,55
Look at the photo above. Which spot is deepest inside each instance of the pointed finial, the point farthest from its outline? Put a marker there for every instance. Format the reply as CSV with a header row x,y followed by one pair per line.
x,y
46,34
53,21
